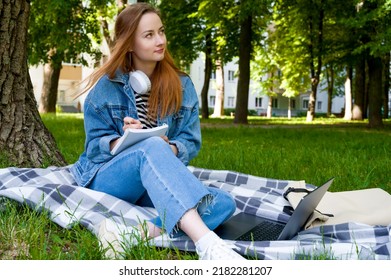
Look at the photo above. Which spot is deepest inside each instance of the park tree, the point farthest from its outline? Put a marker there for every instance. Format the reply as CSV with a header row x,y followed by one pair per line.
x,y
246,18
182,30
269,64
361,37
372,23
24,139
339,59
210,28
253,19
221,32
386,84
352,35
185,38
300,28
61,31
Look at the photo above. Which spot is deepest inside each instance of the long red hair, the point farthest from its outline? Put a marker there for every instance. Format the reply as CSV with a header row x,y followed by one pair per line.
x,y
166,87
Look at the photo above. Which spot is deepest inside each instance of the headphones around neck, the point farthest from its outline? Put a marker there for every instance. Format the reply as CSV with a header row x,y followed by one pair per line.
x,y
139,81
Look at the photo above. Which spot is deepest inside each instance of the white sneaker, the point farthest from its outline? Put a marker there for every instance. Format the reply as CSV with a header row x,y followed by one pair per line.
x,y
220,250
115,238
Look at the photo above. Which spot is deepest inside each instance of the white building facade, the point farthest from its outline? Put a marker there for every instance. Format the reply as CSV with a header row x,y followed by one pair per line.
x,y
257,101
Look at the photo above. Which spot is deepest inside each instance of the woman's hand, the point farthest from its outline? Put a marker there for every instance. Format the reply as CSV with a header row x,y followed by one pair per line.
x,y
128,123
131,123
172,146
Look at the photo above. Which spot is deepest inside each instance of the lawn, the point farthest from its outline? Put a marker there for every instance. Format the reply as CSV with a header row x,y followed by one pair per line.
x,y
357,157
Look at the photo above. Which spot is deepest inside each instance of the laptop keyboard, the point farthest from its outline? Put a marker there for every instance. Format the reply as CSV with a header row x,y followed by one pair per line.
x,y
266,230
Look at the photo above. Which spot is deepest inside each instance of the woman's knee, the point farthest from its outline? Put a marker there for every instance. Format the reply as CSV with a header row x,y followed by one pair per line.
x,y
154,142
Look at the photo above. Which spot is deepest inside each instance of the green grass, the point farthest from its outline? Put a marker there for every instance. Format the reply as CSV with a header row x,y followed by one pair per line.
x,y
28,234
68,130
357,157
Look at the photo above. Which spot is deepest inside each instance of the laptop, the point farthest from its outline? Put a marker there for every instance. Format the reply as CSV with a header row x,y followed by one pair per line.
x,y
247,227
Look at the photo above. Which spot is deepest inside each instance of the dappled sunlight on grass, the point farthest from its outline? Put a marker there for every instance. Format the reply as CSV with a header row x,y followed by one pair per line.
x,y
255,120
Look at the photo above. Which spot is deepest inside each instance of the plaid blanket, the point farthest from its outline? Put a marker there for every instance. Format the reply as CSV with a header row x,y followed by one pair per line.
x,y
54,190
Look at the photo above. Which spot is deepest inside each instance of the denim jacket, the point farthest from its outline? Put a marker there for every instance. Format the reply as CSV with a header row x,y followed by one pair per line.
x,y
109,102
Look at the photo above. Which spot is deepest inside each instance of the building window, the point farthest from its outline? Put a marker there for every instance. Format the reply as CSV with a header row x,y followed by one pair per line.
x,y
231,102
61,96
213,76
231,75
212,101
274,103
305,103
293,104
319,106
258,102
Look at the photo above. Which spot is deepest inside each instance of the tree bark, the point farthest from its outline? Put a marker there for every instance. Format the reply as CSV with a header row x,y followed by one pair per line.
x,y
386,85
51,76
359,106
24,139
269,110
219,104
315,47
348,94
375,94
330,88
208,73
312,101
241,110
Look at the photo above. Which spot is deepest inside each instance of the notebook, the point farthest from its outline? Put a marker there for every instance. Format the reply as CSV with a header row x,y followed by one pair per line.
x,y
132,136
249,227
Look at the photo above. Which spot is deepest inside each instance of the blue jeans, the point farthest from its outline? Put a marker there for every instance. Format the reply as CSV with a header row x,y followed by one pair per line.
x,y
149,174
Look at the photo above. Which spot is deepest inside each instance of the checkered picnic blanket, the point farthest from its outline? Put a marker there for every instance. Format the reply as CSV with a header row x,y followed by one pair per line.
x,y
54,190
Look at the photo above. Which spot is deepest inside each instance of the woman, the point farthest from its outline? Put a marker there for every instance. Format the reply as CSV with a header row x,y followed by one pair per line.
x,y
152,172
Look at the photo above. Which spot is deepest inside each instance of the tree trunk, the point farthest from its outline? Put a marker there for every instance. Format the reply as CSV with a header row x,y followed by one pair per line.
x,y
311,102
375,95
316,46
330,88
51,76
359,106
241,110
348,94
386,85
208,73
269,110
219,104
24,139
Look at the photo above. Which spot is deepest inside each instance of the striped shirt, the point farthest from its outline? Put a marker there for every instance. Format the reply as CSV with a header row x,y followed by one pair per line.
x,y
142,110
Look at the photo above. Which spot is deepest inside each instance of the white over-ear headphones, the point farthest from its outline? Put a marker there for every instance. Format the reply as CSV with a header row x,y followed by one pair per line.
x,y
139,81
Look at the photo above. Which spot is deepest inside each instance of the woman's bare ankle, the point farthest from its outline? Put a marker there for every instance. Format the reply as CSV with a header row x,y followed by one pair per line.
x,y
149,229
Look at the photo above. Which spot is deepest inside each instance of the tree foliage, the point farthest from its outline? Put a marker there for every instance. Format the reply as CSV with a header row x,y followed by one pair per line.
x,y
182,30
309,36
62,31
